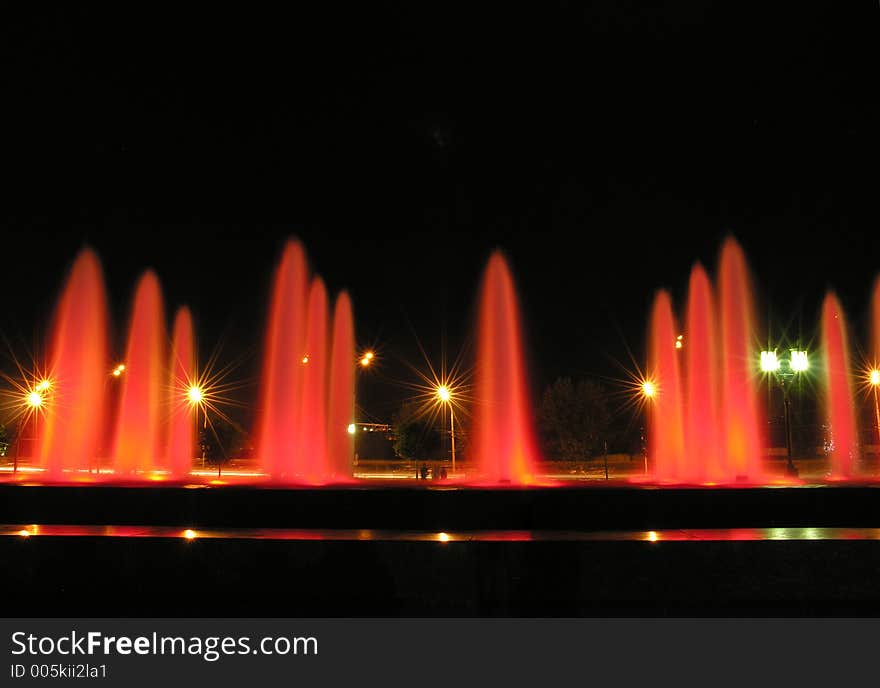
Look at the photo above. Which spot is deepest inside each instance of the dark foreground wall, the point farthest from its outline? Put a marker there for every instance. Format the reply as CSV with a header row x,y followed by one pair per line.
x,y
445,509
120,577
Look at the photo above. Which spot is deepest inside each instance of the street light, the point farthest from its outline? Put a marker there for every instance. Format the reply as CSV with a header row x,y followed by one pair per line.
x,y
798,363
367,359
33,400
444,394
195,395
648,390
874,379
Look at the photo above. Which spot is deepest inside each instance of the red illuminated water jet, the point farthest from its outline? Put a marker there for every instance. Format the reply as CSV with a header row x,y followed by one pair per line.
x,y
139,447
72,429
705,421
282,365
665,425
340,405
181,432
504,447
740,409
312,421
701,419
837,390
307,384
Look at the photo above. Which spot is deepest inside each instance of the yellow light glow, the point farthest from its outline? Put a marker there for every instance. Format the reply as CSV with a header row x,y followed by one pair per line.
x,y
365,362
195,394
24,533
649,389
444,393
189,534
652,536
120,367
117,372
305,359
351,428
679,341
443,537
34,399
875,377
44,386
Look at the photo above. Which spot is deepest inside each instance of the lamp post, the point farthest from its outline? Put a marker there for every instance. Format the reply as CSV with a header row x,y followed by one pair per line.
x,y
34,400
874,378
649,391
196,396
784,375
444,394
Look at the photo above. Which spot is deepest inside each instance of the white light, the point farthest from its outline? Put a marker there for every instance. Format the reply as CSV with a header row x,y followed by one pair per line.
x,y
769,362
351,428
799,362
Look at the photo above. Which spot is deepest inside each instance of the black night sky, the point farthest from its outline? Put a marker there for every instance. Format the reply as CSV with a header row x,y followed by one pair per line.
x,y
604,145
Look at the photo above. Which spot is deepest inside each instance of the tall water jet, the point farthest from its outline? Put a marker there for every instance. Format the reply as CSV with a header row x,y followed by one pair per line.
x,y
139,446
875,325
312,422
875,358
701,421
182,374
837,388
340,404
739,399
282,365
72,428
665,424
504,447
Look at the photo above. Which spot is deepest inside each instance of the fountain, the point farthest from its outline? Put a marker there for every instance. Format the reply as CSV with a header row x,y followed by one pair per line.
x,y
295,443
740,407
666,428
504,440
837,387
182,367
706,421
340,403
69,434
705,417
139,446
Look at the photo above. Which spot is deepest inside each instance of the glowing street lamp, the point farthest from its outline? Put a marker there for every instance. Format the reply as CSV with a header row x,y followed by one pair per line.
x,y
352,428
367,359
195,395
444,394
648,390
874,379
798,363
769,362
33,401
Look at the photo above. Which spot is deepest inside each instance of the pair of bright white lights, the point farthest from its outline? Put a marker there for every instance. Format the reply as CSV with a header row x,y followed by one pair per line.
x,y
798,362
